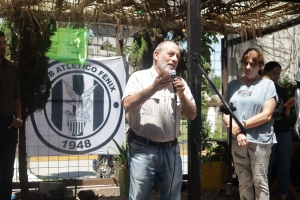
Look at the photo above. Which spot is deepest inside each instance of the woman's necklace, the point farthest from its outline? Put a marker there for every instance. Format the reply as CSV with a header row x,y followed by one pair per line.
x,y
246,89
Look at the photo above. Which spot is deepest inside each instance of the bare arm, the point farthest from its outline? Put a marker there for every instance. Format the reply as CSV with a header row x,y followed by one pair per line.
x,y
18,108
287,110
264,116
256,120
187,107
16,123
236,130
288,106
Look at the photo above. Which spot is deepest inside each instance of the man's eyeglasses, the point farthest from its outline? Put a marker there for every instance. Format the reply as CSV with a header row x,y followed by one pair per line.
x,y
247,63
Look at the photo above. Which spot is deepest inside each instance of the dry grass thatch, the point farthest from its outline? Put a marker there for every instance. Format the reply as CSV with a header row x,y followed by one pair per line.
x,y
251,17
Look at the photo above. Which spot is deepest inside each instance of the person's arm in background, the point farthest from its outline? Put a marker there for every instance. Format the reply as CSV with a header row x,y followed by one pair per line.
x,y
287,109
17,105
288,104
16,123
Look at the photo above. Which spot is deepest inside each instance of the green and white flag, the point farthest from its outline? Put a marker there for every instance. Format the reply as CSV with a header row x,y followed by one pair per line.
x,y
69,46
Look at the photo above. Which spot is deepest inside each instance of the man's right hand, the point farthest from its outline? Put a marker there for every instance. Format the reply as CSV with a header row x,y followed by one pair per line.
x,y
161,82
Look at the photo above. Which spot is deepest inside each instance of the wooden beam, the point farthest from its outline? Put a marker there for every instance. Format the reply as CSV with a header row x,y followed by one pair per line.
x,y
289,1
194,75
73,182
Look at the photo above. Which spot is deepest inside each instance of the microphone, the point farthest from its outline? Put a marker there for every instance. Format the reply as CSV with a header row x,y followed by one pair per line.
x,y
173,75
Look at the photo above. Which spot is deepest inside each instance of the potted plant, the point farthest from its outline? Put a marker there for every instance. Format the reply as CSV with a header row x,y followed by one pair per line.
x,y
214,159
123,170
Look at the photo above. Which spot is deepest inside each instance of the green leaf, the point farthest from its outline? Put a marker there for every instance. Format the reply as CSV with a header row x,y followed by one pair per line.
x,y
121,156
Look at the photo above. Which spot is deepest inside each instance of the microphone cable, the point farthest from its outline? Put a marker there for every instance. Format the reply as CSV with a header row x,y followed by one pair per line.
x,y
175,115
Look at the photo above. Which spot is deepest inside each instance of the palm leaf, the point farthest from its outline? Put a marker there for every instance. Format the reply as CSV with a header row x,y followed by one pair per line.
x,y
122,154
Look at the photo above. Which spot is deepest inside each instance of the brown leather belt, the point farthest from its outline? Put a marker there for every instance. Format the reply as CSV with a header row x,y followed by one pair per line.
x,y
132,135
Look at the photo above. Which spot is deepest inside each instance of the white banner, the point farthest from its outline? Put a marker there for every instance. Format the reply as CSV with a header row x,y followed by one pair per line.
x,y
84,110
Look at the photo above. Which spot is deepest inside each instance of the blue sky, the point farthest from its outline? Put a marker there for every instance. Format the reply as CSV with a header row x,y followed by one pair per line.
x,y
216,58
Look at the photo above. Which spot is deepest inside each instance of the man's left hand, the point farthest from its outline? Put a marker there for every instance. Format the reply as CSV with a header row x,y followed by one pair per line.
x,y
178,84
15,124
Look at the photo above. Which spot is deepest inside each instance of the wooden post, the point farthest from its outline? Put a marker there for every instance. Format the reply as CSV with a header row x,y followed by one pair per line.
x,y
194,128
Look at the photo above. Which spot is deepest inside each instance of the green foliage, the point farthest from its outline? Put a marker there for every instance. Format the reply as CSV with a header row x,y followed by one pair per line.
x,y
136,55
112,48
28,48
141,54
217,153
206,138
289,85
216,80
213,152
207,40
121,156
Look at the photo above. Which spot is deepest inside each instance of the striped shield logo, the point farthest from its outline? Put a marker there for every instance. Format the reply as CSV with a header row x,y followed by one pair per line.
x,y
84,110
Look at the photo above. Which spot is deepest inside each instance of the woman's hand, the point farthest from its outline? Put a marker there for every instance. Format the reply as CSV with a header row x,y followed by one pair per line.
x,y
242,140
236,129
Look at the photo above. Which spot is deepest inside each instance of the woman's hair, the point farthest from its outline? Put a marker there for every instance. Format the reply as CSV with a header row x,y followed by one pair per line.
x,y
257,57
271,65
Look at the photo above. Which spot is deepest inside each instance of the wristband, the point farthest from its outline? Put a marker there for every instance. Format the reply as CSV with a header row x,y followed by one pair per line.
x,y
245,123
21,121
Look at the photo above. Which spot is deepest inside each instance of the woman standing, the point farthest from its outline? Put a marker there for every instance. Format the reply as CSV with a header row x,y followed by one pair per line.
x,y
254,99
282,150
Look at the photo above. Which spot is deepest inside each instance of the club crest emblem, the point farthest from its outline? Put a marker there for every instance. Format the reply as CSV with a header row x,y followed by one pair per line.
x,y
83,103
84,110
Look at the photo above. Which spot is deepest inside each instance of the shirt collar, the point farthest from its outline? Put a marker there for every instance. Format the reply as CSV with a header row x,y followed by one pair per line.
x,y
153,72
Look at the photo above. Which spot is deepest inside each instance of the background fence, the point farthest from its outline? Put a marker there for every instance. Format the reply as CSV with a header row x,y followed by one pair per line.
x,y
55,168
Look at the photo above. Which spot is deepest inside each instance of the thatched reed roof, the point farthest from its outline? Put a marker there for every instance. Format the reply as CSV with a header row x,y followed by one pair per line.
x,y
248,18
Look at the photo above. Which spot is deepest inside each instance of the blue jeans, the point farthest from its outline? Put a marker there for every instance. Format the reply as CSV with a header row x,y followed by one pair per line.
x,y
282,151
8,142
148,163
